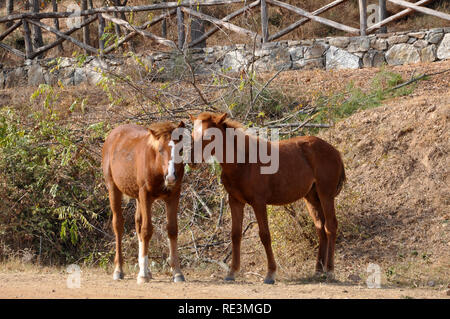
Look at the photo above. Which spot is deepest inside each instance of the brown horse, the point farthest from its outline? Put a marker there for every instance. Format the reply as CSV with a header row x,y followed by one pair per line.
x,y
308,168
139,163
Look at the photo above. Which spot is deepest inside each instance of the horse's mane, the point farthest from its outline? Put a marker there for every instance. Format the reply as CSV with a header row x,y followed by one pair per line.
x,y
160,129
228,122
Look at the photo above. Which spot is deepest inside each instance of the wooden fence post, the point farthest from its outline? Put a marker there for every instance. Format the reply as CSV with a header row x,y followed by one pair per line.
x,y
27,39
264,21
180,26
362,17
86,35
101,30
56,23
382,14
37,32
198,30
9,10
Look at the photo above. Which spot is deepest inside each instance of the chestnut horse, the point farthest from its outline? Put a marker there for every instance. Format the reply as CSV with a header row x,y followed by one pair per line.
x,y
309,168
139,163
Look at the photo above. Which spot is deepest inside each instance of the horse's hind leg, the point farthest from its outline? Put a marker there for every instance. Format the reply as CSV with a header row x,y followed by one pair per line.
x,y
315,211
331,224
115,200
264,234
237,213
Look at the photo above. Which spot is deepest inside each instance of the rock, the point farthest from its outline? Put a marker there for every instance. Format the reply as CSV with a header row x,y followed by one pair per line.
x,y
35,75
79,76
420,44
340,42
296,52
379,44
315,51
396,39
16,78
92,76
431,283
402,54
337,58
435,38
417,35
373,58
443,51
235,61
278,58
428,54
411,40
359,44
308,64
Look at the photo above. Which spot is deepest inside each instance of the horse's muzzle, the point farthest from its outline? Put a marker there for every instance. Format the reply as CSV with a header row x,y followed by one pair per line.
x,y
170,180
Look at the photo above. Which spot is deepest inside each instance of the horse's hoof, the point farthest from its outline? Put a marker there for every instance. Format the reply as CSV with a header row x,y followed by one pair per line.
x,y
229,279
269,281
142,280
118,275
178,278
330,275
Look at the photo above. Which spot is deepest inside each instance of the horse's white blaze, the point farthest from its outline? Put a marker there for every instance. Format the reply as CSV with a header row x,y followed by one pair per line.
x,y
143,261
171,169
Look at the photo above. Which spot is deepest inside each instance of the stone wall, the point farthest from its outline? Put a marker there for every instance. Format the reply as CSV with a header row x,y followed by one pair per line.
x,y
328,53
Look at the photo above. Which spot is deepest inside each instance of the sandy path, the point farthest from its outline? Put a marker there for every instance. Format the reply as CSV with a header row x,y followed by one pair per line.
x,y
100,285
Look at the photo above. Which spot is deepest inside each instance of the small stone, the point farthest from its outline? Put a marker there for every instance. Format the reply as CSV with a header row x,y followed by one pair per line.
x,y
435,38
379,44
411,40
428,54
431,283
315,51
359,44
417,35
396,39
420,44
340,42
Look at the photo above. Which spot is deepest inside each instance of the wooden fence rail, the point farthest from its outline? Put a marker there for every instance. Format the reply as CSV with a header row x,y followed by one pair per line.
x,y
34,47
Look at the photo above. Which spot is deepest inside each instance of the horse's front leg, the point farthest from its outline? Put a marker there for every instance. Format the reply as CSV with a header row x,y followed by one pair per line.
x,y
172,232
237,213
144,235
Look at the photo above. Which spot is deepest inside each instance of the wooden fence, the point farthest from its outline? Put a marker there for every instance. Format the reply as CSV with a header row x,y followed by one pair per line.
x,y
34,46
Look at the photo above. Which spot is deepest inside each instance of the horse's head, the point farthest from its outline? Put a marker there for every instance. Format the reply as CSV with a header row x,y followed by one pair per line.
x,y
207,127
165,151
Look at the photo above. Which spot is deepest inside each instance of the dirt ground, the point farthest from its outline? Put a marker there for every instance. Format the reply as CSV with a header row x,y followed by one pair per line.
x,y
98,284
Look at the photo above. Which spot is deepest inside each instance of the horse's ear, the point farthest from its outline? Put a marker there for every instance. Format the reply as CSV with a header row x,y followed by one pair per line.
x,y
152,132
192,117
181,125
221,118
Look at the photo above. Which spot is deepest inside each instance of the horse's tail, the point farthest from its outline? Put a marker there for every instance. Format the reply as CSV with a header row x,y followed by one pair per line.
x,y
342,179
